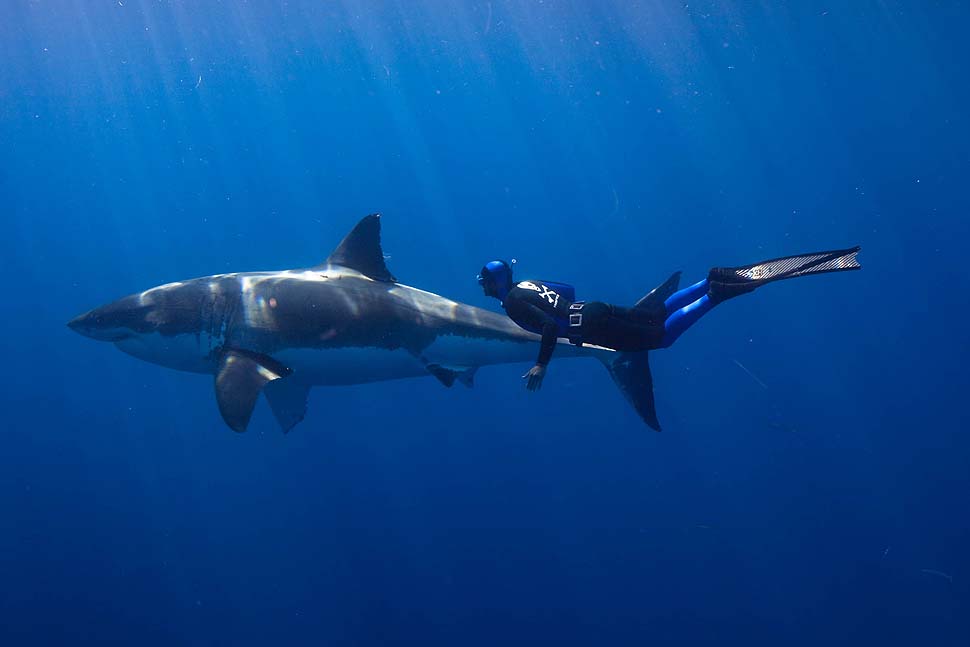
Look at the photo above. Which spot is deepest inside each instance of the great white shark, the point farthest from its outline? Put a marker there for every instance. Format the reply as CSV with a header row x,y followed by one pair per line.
x,y
346,321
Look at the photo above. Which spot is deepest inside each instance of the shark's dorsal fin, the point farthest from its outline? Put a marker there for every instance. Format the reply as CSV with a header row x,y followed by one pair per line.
x,y
361,250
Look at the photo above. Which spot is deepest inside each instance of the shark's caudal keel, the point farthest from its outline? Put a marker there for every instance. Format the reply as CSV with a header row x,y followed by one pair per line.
x,y
346,321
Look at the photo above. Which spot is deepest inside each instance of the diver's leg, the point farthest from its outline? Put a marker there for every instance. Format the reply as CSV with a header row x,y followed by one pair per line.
x,y
692,303
687,296
683,318
726,282
685,307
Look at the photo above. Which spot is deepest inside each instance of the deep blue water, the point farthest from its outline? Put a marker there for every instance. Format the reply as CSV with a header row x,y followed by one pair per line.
x,y
606,144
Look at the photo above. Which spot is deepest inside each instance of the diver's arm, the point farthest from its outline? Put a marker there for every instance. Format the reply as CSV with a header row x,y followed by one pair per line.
x,y
537,372
550,332
532,317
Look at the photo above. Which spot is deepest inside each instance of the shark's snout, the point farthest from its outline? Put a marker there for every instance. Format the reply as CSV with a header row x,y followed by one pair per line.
x,y
78,324
112,322
96,325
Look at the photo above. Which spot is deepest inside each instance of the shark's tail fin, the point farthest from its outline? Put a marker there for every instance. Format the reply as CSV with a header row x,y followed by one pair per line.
x,y
631,372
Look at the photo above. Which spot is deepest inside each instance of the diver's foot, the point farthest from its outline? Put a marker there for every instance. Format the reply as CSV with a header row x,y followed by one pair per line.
x,y
718,292
724,284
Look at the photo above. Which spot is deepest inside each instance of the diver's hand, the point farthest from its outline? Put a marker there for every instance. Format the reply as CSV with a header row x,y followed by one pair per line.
x,y
535,375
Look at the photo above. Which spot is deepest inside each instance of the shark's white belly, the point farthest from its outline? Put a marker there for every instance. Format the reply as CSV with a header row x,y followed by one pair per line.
x,y
342,366
192,353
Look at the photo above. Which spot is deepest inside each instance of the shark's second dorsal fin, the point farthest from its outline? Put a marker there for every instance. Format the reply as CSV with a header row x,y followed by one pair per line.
x,y
361,250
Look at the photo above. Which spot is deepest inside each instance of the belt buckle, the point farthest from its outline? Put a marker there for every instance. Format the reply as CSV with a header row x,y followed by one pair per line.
x,y
576,318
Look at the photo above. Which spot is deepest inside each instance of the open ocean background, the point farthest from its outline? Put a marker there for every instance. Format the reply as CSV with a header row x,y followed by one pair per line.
x,y
811,483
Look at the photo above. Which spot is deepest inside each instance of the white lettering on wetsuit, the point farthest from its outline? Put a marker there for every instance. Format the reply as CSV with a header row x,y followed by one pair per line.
x,y
545,292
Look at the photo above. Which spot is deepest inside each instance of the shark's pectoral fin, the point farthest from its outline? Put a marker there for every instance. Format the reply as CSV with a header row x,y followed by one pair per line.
x,y
447,376
241,376
287,398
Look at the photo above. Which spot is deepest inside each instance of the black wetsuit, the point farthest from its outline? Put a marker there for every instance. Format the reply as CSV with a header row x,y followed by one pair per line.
x,y
536,306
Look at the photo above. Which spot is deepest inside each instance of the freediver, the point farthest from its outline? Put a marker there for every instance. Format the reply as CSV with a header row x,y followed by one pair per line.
x,y
656,321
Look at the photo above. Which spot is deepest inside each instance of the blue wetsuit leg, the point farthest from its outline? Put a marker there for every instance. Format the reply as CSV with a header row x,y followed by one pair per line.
x,y
687,296
685,307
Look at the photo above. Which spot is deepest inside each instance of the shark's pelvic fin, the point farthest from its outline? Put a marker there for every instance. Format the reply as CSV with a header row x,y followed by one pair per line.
x,y
467,376
240,378
447,376
287,398
361,250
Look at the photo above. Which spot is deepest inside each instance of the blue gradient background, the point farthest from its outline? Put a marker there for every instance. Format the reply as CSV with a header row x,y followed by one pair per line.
x,y
606,144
